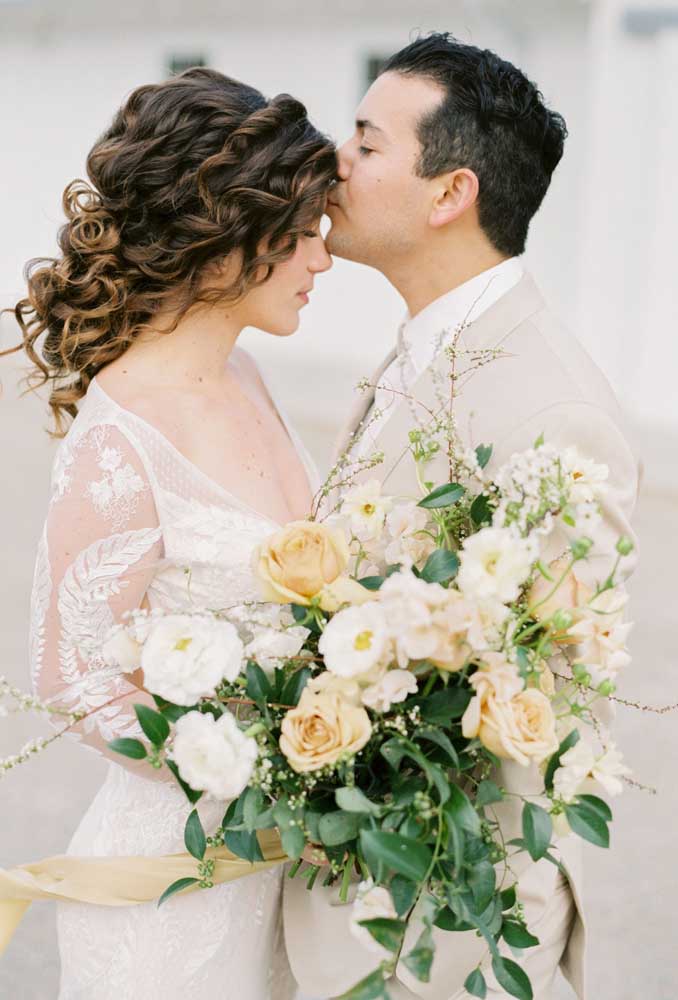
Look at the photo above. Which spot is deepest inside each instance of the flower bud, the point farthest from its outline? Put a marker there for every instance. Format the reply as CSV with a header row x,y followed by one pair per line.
x,y
581,547
562,620
625,546
606,688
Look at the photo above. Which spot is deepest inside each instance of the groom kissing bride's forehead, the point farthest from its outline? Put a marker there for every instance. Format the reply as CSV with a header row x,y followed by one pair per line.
x,y
452,154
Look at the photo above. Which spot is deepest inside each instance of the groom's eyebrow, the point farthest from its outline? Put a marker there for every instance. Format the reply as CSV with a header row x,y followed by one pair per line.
x,y
364,123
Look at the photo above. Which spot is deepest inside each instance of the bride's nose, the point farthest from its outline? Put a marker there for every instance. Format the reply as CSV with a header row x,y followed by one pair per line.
x,y
321,260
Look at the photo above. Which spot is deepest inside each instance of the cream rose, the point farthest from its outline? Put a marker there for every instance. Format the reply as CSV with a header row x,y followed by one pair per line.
x,y
296,563
567,597
522,729
321,728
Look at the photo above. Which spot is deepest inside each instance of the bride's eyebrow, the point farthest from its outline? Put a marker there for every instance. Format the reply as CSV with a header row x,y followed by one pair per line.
x,y
363,124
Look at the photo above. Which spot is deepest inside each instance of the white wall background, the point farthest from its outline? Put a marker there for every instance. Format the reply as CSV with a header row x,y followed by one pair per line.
x,y
602,247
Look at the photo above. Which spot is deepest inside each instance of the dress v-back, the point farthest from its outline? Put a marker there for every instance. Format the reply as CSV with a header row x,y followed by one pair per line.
x,y
130,515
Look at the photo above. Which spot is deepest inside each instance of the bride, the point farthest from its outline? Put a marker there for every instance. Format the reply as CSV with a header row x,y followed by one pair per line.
x,y
201,219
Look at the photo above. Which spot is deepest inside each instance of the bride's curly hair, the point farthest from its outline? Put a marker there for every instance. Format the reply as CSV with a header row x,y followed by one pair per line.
x,y
191,170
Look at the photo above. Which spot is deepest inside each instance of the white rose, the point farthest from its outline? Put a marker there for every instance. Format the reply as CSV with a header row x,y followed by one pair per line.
x,y
494,563
393,687
366,509
187,656
120,650
587,477
371,902
270,647
354,641
213,755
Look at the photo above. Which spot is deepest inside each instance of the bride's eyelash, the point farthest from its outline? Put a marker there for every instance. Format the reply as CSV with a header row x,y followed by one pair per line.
x,y
365,150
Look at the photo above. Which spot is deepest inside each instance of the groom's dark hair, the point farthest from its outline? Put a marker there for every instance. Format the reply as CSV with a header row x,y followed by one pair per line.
x,y
493,121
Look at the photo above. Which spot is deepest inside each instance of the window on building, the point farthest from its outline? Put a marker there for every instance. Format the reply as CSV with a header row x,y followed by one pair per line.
x,y
178,62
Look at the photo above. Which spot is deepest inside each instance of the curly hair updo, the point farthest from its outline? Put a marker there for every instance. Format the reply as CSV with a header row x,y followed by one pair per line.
x,y
191,170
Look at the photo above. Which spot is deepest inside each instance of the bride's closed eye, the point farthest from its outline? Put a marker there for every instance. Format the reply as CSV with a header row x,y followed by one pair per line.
x,y
365,150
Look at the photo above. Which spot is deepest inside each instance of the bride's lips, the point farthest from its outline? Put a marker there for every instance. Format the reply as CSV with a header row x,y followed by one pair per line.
x,y
304,295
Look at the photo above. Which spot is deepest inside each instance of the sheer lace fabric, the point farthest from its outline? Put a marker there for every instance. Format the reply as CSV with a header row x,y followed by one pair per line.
x,y
130,516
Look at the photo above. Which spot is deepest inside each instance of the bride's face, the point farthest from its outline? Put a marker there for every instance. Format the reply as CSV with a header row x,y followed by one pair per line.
x,y
275,305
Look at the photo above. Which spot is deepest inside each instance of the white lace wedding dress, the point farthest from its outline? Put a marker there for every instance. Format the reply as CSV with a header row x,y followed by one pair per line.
x,y
128,513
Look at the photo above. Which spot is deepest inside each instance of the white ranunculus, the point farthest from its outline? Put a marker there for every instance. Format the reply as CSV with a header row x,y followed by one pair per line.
x,y
366,509
393,687
371,902
213,755
120,650
494,563
355,640
600,634
187,656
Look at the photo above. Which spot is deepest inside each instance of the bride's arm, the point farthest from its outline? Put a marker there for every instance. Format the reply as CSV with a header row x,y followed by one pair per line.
x,y
98,553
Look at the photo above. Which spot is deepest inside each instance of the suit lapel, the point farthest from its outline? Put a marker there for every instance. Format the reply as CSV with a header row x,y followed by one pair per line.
x,y
361,405
487,332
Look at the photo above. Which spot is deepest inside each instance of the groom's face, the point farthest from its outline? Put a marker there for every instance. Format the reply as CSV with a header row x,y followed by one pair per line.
x,y
380,208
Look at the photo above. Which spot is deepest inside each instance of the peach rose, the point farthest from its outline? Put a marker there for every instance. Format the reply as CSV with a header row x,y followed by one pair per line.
x,y
521,729
321,728
570,595
296,563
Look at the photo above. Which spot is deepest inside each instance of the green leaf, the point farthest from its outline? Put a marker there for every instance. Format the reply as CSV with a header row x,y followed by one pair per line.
x,y
389,933
295,684
512,978
401,854
537,830
253,801
129,748
508,898
443,496
353,800
191,794
539,441
554,763
371,582
171,711
194,836
258,685
588,823
597,805
487,793
441,707
447,920
181,883
475,984
420,959
440,566
372,987
299,612
480,510
404,891
483,454
459,810
440,739
339,827
291,834
244,845
481,881
517,936
154,725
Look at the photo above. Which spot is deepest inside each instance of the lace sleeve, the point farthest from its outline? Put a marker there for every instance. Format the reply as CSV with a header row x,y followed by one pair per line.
x,y
96,558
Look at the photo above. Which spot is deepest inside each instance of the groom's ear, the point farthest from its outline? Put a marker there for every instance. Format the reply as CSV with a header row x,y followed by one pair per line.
x,y
454,193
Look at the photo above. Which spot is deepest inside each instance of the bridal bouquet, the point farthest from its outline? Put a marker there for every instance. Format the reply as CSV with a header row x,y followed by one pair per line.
x,y
402,650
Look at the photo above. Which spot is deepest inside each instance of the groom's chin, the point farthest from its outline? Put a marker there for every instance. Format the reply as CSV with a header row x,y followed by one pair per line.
x,y
341,244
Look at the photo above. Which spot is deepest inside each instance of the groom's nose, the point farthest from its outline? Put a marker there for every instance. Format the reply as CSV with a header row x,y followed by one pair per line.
x,y
344,161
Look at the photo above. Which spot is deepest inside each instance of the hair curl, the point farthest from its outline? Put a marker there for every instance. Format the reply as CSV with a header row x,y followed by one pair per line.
x,y
191,171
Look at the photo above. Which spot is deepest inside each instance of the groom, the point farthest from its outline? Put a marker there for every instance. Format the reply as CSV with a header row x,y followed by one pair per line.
x,y
451,157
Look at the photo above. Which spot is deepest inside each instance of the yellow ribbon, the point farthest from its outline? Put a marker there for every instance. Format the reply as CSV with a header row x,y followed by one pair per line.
x,y
117,881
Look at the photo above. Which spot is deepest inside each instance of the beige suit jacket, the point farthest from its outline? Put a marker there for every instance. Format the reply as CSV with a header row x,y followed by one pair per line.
x,y
543,383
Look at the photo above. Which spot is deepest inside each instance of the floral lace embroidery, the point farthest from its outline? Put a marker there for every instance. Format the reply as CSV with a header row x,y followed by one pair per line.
x,y
40,598
116,495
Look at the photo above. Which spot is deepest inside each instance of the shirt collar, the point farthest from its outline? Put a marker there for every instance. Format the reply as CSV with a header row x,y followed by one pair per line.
x,y
422,336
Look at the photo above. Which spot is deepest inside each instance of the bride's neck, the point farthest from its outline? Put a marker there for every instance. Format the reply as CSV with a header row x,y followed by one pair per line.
x,y
194,354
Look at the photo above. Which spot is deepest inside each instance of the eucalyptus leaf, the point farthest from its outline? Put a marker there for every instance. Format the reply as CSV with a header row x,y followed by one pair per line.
x,y
517,936
483,454
480,510
258,685
371,582
597,805
354,800
295,684
128,748
512,978
487,793
588,823
401,854
441,565
252,806
420,959
194,836
372,987
388,932
442,496
403,891
191,794
554,763
154,725
243,844
339,827
441,707
181,883
440,739
537,830
459,810
475,984
481,881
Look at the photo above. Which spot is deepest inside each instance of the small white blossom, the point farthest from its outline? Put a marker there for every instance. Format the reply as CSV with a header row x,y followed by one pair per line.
x,y
366,509
355,640
393,687
580,769
494,563
601,636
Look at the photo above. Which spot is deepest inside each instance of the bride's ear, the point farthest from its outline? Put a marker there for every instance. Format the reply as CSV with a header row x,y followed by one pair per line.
x,y
454,194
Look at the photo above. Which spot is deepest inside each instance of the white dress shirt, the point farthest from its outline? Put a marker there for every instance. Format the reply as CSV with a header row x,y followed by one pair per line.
x,y
421,338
